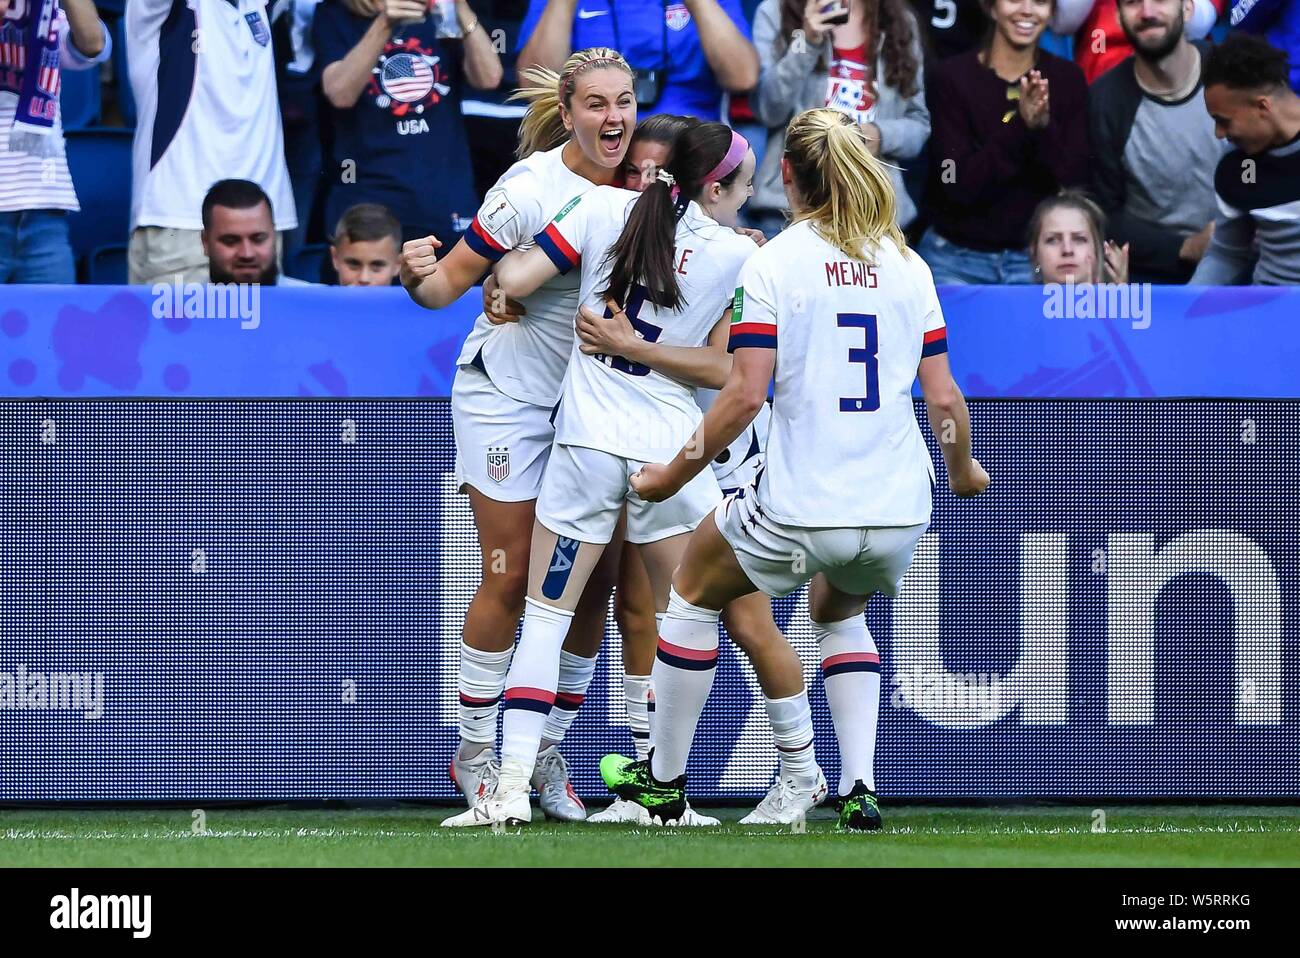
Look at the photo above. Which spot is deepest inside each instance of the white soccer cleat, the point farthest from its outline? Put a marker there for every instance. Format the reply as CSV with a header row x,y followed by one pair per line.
x,y
621,812
690,819
476,777
509,807
551,779
786,801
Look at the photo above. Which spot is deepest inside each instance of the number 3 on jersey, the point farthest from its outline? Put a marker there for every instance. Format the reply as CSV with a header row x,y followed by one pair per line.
x,y
648,331
867,357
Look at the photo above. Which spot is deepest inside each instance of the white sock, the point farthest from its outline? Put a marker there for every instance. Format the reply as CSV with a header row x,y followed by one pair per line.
x,y
571,689
530,689
636,689
851,674
683,675
482,679
792,729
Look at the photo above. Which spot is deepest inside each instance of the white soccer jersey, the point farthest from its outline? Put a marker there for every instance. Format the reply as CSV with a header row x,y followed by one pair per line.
x,y
727,466
624,408
844,448
203,75
526,360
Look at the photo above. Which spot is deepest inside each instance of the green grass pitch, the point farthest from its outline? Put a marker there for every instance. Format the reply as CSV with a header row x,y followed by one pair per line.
x,y
1134,836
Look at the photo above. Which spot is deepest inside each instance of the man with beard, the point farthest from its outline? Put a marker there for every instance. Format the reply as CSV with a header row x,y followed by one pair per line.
x,y
239,235
1257,184
1155,145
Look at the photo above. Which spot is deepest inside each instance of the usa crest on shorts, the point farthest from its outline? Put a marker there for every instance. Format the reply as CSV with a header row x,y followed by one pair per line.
x,y
498,463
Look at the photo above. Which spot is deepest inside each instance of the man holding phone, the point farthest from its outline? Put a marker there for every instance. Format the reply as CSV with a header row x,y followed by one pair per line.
x,y
686,53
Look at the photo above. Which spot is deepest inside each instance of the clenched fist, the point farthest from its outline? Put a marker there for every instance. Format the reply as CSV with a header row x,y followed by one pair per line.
x,y
419,260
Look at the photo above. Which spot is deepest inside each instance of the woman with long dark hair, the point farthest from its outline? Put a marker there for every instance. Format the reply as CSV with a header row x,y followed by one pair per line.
x,y
868,67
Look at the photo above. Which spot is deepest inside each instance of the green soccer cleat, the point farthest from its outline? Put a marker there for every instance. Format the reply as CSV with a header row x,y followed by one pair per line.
x,y
859,811
632,780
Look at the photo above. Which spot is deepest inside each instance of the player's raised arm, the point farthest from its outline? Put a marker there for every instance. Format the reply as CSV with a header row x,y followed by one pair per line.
x,y
950,420
707,365
734,409
435,283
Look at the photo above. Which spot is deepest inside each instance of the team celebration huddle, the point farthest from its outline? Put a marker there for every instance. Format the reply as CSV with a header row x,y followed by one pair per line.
x,y
614,435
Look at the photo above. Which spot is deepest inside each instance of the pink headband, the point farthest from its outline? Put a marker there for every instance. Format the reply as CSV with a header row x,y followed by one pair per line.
x,y
735,156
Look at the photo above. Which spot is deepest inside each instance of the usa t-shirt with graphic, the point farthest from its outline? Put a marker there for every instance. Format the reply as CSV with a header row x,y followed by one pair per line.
x,y
851,83
403,143
651,35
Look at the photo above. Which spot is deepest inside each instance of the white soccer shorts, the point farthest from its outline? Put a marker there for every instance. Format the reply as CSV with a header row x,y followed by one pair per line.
x,y
502,444
584,489
780,558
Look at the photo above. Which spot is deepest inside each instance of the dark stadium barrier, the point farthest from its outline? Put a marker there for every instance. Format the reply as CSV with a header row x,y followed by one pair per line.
x,y
248,598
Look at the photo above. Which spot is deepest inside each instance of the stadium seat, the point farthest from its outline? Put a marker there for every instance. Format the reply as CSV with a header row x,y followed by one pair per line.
x,y
100,162
107,266
79,99
307,262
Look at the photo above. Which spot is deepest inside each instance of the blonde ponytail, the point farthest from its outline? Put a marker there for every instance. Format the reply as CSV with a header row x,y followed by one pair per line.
x,y
548,92
847,192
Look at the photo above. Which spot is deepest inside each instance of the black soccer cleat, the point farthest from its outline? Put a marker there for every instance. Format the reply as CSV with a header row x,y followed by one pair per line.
x,y
859,811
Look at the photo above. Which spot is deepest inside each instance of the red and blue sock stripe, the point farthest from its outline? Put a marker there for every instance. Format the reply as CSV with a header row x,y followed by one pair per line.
x,y
850,662
568,701
533,700
680,657
473,702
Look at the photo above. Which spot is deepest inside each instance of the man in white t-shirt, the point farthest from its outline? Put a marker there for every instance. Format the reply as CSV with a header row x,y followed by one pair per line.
x,y
203,75
36,191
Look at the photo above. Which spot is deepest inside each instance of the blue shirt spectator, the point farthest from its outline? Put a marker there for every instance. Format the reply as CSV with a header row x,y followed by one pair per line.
x,y
686,54
399,138
1279,21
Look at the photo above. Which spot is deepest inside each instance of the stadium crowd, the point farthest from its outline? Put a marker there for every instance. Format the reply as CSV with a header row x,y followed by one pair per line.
x,y
306,140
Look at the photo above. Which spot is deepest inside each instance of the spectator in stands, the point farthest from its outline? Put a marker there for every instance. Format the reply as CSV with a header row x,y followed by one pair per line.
x,y
207,110
685,53
869,67
1010,128
36,190
1067,245
297,80
1141,113
367,246
1257,184
395,82
1100,41
238,237
1278,21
